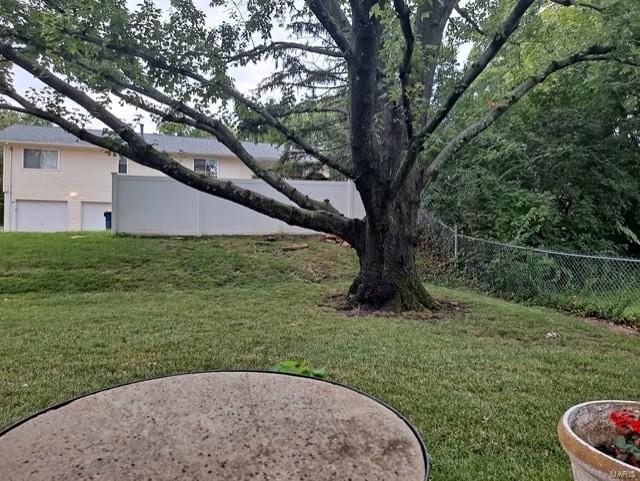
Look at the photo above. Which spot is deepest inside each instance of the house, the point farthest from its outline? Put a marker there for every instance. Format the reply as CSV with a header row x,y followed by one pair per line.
x,y
54,182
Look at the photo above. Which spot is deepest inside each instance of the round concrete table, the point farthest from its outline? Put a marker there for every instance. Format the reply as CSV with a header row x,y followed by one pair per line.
x,y
231,426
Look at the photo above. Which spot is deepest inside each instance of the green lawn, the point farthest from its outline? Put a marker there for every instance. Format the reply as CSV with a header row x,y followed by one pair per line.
x,y
623,307
485,388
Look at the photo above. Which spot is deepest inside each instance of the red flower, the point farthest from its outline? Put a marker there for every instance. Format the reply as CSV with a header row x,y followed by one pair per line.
x,y
627,424
620,418
634,425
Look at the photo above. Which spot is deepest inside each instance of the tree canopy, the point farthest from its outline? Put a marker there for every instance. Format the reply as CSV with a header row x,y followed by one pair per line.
x,y
543,175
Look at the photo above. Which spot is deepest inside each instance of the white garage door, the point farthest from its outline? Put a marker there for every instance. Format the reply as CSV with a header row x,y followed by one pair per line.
x,y
41,216
93,215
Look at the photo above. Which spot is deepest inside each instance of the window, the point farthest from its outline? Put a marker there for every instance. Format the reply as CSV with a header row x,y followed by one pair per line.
x,y
123,165
207,167
40,159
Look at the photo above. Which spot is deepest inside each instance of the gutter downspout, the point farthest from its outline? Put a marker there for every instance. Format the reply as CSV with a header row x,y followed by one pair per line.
x,y
8,178
11,209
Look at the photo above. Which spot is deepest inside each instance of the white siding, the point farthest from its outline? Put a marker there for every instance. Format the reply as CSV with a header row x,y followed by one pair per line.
x,y
7,213
6,188
6,166
233,169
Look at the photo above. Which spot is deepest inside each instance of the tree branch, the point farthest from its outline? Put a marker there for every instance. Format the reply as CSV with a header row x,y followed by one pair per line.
x,y
276,46
83,134
363,93
573,3
333,19
467,17
312,110
593,53
13,108
272,121
208,124
404,16
477,67
144,153
289,134
430,22
627,61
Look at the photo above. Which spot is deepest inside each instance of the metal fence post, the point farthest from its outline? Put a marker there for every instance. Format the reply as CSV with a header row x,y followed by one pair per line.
x,y
455,244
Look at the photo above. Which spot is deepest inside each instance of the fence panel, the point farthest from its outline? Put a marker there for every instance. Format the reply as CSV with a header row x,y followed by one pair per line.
x,y
593,284
158,205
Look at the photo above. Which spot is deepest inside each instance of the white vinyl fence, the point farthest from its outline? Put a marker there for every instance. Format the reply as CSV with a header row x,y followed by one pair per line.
x,y
155,205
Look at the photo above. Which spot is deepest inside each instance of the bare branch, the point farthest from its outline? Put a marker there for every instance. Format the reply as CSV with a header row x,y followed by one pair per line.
x,y
593,53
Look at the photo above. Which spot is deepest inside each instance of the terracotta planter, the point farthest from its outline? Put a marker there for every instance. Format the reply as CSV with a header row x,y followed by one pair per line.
x,y
587,425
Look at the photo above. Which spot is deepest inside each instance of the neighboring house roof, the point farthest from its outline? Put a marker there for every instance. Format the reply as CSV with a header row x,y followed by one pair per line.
x,y
168,143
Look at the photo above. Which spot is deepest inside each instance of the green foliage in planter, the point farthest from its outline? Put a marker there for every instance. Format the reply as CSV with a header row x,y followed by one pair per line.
x,y
627,448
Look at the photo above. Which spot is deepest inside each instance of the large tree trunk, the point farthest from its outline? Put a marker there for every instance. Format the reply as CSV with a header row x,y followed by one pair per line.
x,y
386,247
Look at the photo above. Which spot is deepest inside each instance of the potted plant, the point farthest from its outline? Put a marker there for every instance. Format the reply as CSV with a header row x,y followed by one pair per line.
x,y
602,439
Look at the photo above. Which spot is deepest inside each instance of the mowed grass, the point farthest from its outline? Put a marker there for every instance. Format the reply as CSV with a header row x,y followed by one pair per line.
x,y
484,387
623,307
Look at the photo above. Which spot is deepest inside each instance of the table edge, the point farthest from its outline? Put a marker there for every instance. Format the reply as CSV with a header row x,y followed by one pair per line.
x,y
55,406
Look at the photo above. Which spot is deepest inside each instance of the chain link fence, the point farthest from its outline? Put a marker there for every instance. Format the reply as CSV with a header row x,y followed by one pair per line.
x,y
599,285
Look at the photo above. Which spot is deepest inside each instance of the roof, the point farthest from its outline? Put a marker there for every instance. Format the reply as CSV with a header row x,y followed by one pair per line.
x,y
168,143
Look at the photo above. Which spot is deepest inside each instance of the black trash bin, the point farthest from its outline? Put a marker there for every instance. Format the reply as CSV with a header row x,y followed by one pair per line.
x,y
107,220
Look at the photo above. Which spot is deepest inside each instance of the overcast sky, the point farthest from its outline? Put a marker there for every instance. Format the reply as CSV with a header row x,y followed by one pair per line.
x,y
246,78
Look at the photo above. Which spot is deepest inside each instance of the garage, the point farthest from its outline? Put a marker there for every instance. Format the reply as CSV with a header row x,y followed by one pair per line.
x,y
41,216
93,215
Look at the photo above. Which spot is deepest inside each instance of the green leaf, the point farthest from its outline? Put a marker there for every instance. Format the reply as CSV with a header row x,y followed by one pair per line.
x,y
298,366
319,373
629,233
620,442
375,11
